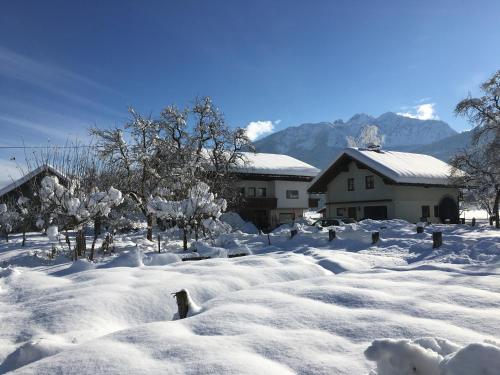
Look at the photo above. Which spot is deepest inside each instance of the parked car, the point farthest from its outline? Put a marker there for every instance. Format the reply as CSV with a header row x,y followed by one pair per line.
x,y
336,221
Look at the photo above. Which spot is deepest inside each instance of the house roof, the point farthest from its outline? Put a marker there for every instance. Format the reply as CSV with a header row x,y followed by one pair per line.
x,y
28,176
274,164
398,167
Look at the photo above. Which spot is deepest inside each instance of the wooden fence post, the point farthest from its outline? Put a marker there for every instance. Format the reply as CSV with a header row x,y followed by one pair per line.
x,y
473,222
269,239
331,234
437,239
293,233
159,243
182,303
375,237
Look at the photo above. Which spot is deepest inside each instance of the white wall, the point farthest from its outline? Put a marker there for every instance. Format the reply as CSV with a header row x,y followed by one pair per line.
x,y
408,201
283,202
403,202
337,188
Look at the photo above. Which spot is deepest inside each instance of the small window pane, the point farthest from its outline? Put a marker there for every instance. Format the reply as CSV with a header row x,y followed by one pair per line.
x,y
369,182
350,184
260,192
251,192
292,194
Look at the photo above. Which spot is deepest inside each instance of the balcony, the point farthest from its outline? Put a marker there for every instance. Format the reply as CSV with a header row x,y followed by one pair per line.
x,y
260,203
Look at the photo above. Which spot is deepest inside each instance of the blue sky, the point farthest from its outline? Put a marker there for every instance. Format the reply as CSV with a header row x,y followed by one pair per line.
x,y
65,65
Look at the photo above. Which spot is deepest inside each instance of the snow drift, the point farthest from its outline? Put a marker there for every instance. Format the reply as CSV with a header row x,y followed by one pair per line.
x,y
433,356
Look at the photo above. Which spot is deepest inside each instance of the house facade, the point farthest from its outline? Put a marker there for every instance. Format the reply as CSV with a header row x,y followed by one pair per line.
x,y
377,184
273,188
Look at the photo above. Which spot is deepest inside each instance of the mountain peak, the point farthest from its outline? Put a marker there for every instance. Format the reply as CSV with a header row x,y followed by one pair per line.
x,y
315,143
361,118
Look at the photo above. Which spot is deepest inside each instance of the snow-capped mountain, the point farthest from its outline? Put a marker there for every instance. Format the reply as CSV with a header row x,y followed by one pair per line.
x,y
318,143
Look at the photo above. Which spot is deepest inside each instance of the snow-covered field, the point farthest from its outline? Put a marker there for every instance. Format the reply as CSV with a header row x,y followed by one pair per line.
x,y
302,305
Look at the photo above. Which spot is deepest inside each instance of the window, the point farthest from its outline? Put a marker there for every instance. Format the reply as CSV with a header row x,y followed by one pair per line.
x,y
341,212
436,211
426,211
251,192
292,194
260,192
350,184
242,191
286,218
369,182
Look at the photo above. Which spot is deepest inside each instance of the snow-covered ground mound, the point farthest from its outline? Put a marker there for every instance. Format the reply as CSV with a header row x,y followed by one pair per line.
x,y
293,305
433,356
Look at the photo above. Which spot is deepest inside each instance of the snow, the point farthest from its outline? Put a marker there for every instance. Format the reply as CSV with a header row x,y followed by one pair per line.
x,y
433,356
274,164
401,167
297,305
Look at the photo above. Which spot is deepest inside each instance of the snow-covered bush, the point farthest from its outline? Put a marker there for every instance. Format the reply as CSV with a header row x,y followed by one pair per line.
x,y
199,211
8,220
70,207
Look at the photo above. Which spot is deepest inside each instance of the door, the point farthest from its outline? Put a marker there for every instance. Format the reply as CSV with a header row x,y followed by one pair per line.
x,y
375,212
448,209
261,219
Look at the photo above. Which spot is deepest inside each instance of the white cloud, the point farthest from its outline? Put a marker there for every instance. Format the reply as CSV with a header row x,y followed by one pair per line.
x,y
257,129
277,122
424,111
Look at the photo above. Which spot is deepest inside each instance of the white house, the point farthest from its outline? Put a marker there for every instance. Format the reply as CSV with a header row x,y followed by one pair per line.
x,y
373,183
274,187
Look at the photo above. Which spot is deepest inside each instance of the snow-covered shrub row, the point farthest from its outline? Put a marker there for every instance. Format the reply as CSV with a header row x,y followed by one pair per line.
x,y
199,211
80,205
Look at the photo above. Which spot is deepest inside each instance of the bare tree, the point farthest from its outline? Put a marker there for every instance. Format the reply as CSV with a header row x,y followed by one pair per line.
x,y
132,159
478,167
173,153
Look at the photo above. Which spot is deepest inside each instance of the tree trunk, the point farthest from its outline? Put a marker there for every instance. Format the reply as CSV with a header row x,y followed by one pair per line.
x,y
97,226
96,234
184,240
68,242
24,237
149,218
81,244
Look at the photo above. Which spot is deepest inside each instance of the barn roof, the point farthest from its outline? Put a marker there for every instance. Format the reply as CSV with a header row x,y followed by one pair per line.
x,y
28,176
397,167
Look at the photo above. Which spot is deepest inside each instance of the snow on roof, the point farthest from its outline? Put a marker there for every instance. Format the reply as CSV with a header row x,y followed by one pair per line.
x,y
400,167
29,176
275,164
